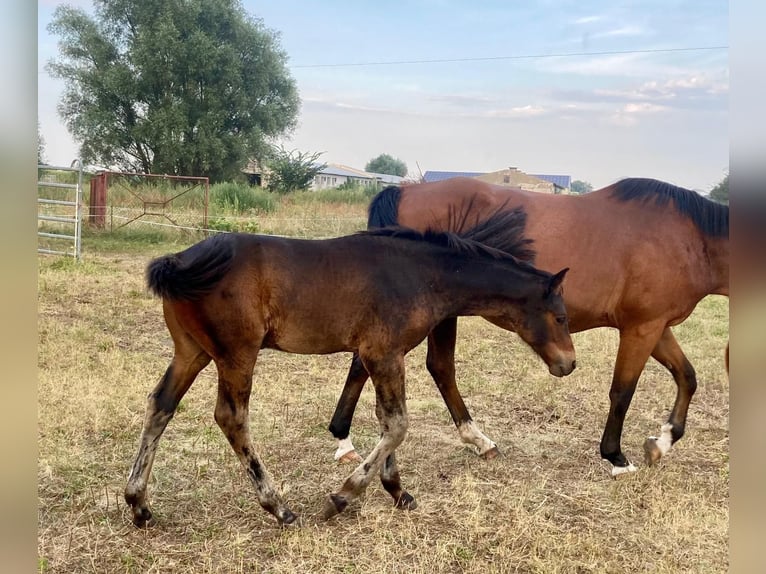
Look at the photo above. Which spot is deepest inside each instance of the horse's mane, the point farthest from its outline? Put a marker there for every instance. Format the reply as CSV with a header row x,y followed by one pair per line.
x,y
499,236
711,218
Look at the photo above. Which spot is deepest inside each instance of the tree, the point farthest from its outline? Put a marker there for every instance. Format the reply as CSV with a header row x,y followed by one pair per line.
x,y
720,192
293,170
188,87
384,163
40,146
580,187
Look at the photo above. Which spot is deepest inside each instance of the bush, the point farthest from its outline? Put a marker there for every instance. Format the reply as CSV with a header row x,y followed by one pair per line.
x,y
241,198
346,193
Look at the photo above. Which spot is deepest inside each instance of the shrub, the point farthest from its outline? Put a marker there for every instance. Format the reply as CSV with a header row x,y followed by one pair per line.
x,y
241,198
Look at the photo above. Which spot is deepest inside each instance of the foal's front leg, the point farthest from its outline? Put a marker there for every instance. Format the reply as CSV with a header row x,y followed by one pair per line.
x,y
231,414
391,409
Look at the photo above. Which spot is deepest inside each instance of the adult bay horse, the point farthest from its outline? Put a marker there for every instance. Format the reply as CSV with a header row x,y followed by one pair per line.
x,y
377,294
642,254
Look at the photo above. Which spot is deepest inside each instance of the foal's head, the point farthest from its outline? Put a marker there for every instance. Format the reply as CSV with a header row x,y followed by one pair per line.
x,y
540,319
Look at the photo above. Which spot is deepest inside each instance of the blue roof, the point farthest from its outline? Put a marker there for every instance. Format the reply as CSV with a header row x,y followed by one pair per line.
x,y
431,176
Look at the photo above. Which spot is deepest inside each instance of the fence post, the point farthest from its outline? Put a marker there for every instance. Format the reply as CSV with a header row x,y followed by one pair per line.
x,y
98,185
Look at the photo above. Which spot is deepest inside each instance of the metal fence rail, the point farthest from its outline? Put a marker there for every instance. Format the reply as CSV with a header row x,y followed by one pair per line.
x,y
68,210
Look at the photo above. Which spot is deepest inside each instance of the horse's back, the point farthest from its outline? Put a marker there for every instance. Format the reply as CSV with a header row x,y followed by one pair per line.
x,y
625,257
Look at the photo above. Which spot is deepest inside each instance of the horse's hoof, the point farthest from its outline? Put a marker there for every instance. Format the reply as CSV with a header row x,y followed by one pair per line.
x,y
652,451
350,456
617,471
143,518
288,519
406,502
335,504
492,453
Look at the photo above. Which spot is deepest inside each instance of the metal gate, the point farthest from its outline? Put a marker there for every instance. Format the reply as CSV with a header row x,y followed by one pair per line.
x,y
59,217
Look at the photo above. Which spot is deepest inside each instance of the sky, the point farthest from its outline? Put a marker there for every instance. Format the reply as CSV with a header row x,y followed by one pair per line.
x,y
595,90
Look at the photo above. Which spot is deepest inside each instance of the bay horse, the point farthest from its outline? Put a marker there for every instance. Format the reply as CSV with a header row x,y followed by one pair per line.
x,y
642,254
376,293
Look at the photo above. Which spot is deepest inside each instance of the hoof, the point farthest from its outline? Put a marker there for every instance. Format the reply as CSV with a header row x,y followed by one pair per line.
x,y
406,502
335,504
289,519
492,453
143,518
617,471
350,456
652,451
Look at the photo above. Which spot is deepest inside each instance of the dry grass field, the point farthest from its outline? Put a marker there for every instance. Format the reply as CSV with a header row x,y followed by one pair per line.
x,y
547,506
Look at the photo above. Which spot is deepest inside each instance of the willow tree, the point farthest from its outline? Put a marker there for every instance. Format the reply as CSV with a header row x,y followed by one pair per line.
x,y
184,87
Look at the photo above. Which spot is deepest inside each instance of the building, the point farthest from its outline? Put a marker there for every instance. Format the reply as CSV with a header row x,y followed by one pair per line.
x,y
335,175
511,176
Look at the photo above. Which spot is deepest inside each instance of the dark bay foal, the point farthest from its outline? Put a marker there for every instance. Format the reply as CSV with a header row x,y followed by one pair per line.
x,y
378,294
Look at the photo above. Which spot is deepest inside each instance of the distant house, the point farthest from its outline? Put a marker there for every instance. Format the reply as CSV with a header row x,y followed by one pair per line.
x,y
335,175
512,177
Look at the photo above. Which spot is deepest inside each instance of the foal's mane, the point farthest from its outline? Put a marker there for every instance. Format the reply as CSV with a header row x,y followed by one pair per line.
x,y
711,218
500,236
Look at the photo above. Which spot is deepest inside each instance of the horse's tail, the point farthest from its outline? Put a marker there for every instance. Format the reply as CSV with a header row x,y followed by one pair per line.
x,y
384,208
192,273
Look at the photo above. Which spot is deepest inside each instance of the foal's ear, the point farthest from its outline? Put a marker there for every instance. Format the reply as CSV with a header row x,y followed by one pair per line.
x,y
556,280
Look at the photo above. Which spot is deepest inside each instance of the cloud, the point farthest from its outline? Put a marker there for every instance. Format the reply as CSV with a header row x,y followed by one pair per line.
x,y
622,31
588,19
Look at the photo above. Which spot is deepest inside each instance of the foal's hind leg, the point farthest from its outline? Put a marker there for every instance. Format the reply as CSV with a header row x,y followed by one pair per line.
x,y
636,345
440,362
187,362
235,381
670,355
340,425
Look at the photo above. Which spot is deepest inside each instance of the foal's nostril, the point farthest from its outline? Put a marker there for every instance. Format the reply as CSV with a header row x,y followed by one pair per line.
x,y
574,364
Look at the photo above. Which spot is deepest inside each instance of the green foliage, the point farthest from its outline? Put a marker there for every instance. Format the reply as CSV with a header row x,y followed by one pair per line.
x,y
40,146
232,225
348,194
291,171
189,87
385,163
580,187
720,192
241,198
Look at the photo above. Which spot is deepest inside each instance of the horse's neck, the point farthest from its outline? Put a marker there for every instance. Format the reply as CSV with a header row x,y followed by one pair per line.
x,y
718,256
483,289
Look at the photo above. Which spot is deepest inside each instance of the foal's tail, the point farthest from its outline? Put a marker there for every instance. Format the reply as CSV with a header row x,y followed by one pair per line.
x,y
192,273
384,208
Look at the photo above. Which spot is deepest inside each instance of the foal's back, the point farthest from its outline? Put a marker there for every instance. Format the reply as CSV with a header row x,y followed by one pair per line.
x,y
311,296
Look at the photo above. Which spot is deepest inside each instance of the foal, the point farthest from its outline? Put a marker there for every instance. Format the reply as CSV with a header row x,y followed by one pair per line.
x,y
376,293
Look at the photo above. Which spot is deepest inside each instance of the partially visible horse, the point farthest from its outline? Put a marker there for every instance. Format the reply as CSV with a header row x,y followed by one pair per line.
x,y
642,254
377,294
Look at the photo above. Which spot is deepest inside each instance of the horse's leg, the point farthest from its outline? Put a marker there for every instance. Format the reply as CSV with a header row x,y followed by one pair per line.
x,y
188,361
391,409
636,345
440,362
389,476
235,380
340,425
670,355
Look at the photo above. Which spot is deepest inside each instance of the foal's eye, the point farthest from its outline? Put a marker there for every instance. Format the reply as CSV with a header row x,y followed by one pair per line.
x,y
561,319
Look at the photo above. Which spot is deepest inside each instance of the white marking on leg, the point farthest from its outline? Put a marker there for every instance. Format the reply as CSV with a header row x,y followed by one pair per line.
x,y
344,447
665,440
618,470
470,434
